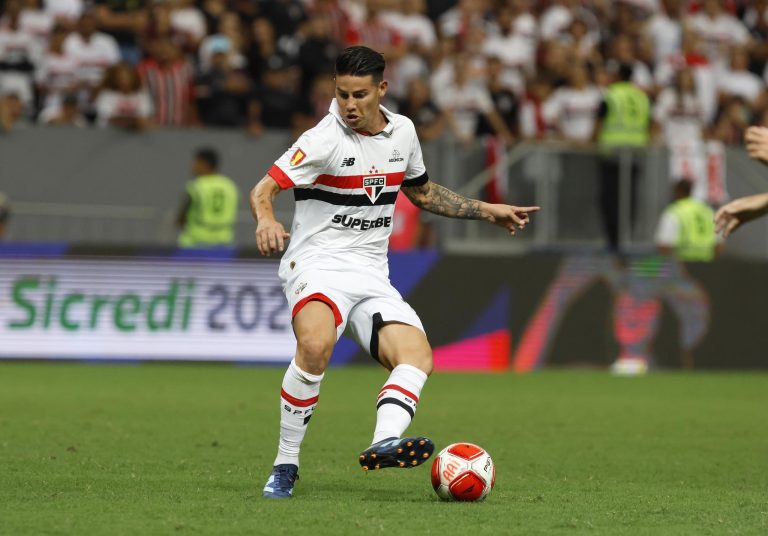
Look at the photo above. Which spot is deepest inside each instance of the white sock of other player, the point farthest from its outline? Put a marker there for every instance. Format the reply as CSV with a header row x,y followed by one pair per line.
x,y
397,400
298,398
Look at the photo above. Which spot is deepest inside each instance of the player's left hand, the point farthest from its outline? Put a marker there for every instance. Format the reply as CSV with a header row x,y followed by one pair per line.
x,y
509,217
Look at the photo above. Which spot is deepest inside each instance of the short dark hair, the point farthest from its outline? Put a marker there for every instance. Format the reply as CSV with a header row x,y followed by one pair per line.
x,y
208,155
625,71
683,188
361,61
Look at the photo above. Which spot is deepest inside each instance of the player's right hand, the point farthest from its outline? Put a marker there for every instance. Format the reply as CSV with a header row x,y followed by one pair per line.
x,y
270,237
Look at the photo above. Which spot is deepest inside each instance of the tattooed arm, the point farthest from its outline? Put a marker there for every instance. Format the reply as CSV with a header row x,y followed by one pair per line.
x,y
444,202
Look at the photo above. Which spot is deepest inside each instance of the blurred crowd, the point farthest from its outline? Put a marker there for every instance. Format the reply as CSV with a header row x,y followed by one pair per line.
x,y
518,69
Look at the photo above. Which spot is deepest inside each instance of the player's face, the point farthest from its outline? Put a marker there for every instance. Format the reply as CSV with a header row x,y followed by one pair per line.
x,y
358,98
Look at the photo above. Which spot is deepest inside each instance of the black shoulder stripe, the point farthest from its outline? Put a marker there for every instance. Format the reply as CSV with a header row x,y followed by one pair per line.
x,y
417,181
349,200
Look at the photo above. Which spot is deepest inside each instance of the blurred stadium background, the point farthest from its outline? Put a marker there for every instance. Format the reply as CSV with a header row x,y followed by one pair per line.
x,y
103,104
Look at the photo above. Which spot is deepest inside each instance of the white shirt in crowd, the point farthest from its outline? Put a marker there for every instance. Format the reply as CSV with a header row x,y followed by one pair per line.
x,y
66,9
680,116
467,103
718,34
573,111
110,104
92,56
189,21
554,20
57,74
665,34
18,46
744,84
414,28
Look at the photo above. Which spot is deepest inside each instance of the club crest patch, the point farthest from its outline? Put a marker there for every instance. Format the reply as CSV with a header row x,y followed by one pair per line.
x,y
297,157
373,186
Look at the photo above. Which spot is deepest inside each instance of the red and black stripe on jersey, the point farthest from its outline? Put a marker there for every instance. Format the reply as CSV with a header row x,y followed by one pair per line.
x,y
354,182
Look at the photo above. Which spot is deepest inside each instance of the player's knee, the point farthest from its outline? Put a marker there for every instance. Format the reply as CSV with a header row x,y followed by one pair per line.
x,y
313,354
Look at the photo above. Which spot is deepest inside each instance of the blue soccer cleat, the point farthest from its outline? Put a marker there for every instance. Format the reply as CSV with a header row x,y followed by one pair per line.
x,y
397,452
281,481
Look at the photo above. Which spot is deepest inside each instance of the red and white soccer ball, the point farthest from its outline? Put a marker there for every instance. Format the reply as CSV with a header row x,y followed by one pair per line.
x,y
463,472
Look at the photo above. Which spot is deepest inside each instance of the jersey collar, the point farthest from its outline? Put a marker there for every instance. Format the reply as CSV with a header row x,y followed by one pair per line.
x,y
388,128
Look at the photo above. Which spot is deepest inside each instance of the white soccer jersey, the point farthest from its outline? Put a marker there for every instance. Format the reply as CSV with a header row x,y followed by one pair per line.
x,y
345,186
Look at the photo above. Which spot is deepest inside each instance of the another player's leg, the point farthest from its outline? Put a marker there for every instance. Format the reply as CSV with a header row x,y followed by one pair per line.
x,y
405,351
315,331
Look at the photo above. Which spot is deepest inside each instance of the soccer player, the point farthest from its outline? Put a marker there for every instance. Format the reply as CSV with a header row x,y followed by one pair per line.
x,y
739,211
346,173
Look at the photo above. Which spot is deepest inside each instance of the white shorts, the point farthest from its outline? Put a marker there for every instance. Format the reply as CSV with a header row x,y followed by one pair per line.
x,y
361,300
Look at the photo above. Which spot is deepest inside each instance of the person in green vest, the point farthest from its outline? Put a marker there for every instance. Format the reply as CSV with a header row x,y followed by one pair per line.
x,y
686,229
623,121
209,210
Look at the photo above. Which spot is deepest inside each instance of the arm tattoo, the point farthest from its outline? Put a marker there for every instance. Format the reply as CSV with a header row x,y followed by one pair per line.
x,y
444,202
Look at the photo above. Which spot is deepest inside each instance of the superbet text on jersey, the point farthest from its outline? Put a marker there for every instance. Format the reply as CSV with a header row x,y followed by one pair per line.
x,y
345,184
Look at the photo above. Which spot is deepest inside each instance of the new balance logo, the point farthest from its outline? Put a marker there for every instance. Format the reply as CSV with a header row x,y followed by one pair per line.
x,y
348,162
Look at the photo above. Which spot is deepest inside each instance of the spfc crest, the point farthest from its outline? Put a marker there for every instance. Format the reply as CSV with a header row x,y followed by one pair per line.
x,y
373,186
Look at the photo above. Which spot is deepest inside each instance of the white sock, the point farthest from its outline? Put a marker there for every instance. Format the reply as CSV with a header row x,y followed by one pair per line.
x,y
298,398
397,400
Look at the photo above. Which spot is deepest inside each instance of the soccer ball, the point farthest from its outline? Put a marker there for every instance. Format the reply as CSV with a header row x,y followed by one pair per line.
x,y
463,472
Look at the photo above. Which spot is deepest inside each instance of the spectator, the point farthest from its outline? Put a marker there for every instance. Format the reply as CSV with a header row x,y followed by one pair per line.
x,y
65,112
188,21
5,214
513,49
92,51
66,11
278,95
623,122
665,30
35,21
124,20
318,53
414,26
225,95
11,112
419,108
122,101
376,33
315,106
505,102
756,20
230,35
625,52
719,31
532,121
19,53
571,110
691,57
168,78
582,43
732,121
263,49
209,210
56,72
466,14
739,81
679,124
464,103
686,229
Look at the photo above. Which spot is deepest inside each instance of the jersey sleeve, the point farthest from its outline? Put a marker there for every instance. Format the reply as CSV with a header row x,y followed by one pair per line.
x,y
415,171
302,163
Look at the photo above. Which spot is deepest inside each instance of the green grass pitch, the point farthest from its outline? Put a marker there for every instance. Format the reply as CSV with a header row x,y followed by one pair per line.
x,y
185,449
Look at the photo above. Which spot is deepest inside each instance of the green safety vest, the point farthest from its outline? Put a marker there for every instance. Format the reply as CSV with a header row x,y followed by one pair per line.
x,y
628,116
696,240
212,213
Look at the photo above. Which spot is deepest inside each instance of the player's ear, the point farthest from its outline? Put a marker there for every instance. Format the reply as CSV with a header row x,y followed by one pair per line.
x,y
383,85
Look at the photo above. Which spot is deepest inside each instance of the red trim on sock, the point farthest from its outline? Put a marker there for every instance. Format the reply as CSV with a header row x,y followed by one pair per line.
x,y
297,401
406,392
321,298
